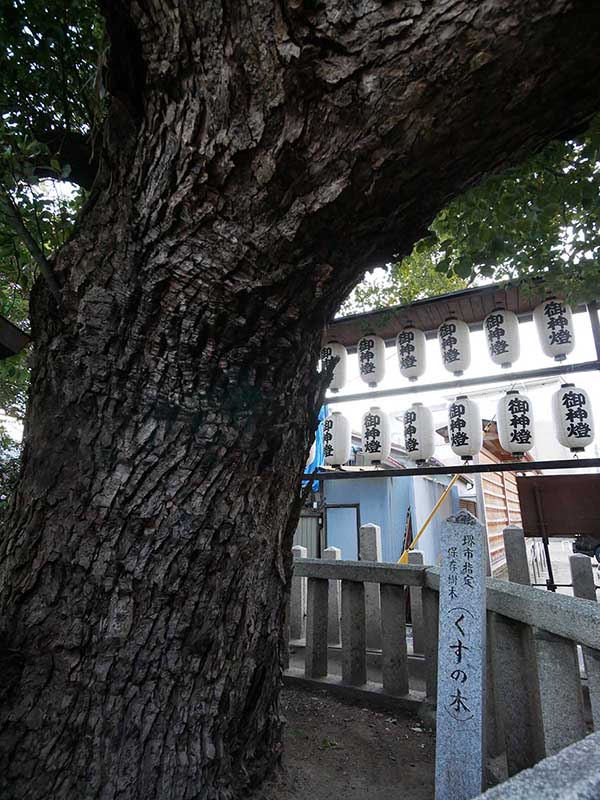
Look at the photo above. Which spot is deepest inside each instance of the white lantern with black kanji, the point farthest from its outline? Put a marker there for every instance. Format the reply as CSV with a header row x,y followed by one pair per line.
x,y
337,439
410,345
455,345
329,352
371,359
554,323
502,336
464,427
515,423
573,419
376,435
418,433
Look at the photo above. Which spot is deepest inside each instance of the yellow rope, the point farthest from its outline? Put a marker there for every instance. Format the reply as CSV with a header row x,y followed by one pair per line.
x,y
404,557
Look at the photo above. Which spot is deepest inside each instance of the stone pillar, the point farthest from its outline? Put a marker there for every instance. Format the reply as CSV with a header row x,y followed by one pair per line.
x,y
416,606
494,724
560,690
461,660
285,656
558,679
582,575
516,555
431,616
370,550
333,627
518,701
354,655
394,659
298,598
315,656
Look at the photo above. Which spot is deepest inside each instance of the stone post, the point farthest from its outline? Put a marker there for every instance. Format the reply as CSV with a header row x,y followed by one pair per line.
x,y
461,660
516,555
315,655
517,701
354,656
416,606
582,575
431,617
298,598
333,626
494,723
370,550
285,656
394,660
557,674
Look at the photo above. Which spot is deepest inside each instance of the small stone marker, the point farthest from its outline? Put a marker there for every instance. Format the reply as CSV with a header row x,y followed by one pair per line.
x,y
461,660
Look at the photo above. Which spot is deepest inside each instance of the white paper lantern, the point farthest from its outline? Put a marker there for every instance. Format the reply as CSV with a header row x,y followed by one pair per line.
x,y
554,323
464,427
502,335
330,351
455,345
371,359
337,439
515,423
376,435
410,345
418,433
573,419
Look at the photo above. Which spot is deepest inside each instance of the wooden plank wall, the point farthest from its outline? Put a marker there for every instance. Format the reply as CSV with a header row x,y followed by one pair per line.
x,y
501,508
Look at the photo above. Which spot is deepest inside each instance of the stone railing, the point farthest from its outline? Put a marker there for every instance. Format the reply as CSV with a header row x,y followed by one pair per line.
x,y
535,693
572,774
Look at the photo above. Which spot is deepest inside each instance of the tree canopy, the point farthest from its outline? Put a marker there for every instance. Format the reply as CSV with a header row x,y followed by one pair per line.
x,y
540,219
50,101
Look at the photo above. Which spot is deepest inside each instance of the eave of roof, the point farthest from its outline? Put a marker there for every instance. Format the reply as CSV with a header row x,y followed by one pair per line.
x,y
471,305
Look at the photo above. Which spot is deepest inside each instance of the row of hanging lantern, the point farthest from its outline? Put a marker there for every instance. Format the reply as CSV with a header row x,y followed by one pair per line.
x,y
553,320
376,437
571,411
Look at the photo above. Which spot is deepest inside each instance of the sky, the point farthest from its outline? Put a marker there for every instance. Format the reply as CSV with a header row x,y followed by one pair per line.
x,y
539,391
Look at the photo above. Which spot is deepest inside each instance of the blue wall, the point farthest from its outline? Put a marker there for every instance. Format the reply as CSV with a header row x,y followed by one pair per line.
x,y
383,501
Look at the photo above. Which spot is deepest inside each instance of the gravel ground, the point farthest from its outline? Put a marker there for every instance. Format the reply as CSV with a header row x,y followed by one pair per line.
x,y
335,751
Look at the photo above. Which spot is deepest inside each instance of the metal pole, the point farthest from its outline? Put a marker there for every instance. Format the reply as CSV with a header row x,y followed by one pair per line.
x,y
538,502
464,469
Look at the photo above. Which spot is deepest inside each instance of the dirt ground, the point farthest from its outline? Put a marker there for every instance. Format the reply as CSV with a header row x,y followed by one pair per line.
x,y
335,751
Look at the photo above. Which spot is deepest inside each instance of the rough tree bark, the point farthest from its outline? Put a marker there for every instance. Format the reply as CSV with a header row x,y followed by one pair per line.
x,y
258,156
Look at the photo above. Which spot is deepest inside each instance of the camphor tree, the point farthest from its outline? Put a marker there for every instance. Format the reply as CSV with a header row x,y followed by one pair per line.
x,y
256,157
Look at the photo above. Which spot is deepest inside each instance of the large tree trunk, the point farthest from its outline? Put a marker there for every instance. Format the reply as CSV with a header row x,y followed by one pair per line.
x,y
258,156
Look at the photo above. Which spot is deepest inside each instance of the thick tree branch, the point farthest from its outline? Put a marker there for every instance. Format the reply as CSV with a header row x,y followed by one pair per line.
x,y
30,243
341,129
72,148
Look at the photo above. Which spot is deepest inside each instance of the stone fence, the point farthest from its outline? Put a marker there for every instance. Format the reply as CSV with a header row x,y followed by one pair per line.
x,y
572,774
541,697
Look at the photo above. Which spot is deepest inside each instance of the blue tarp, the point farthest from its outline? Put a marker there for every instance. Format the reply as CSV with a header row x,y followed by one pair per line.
x,y
319,458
